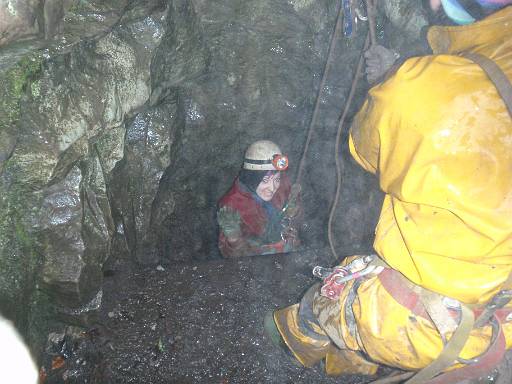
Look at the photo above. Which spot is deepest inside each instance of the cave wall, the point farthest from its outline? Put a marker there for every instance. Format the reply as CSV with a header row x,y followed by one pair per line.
x,y
123,122
63,117
251,70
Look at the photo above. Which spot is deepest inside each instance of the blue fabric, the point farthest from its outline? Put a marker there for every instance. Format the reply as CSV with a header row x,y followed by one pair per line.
x,y
456,12
273,228
493,4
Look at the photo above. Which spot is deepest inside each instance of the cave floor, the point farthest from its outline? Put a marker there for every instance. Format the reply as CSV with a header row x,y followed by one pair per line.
x,y
195,323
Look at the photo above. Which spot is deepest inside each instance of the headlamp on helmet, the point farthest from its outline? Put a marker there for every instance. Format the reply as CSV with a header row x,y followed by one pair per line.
x,y
264,155
280,162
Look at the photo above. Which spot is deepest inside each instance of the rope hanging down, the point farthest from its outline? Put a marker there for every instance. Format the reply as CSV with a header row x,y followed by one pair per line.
x,y
337,156
370,38
330,57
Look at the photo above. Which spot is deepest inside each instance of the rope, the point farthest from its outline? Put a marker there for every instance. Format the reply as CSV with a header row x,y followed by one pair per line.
x,y
371,37
370,10
336,146
330,57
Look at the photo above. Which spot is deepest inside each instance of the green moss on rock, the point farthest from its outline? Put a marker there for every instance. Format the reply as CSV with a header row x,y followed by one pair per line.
x,y
19,259
13,84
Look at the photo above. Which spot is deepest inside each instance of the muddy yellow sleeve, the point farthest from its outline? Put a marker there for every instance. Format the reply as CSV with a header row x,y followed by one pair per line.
x,y
363,140
437,134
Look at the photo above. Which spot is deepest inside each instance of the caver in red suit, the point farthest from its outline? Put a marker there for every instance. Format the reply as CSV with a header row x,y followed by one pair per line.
x,y
258,215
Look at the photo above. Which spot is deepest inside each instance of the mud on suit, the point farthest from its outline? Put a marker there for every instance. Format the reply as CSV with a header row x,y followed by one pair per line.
x,y
261,223
439,137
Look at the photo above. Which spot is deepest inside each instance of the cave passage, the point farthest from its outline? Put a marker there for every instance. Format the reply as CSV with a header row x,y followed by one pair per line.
x,y
122,123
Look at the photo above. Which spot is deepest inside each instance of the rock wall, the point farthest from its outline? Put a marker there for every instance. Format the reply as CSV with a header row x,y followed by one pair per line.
x,y
123,122
251,70
63,127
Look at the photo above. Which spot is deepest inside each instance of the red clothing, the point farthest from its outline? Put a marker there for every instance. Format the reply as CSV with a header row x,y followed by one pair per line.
x,y
253,219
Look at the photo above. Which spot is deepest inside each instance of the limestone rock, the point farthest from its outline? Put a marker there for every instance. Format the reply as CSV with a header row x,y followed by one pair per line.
x,y
63,125
137,179
18,20
57,25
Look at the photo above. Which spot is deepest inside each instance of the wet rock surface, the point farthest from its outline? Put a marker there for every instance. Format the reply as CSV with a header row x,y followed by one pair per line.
x,y
136,181
55,26
62,119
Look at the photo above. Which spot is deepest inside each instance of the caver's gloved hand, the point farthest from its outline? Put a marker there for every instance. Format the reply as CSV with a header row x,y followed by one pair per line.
x,y
229,222
379,61
290,237
293,205
291,219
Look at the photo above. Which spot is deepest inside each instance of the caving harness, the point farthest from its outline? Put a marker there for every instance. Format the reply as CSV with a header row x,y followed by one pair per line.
x,y
446,313
473,316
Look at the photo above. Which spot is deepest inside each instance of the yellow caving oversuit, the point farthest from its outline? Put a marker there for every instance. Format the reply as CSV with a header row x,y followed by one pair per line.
x,y
439,138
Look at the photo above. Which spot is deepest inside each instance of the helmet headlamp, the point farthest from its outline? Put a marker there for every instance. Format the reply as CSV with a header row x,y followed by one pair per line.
x,y
280,162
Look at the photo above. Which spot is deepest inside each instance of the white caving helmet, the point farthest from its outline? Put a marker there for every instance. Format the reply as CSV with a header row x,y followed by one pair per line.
x,y
264,155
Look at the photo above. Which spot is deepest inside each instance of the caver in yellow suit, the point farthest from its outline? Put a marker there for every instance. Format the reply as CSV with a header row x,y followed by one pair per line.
x,y
439,137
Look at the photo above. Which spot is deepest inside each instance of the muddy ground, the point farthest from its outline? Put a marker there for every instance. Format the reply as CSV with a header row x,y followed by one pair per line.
x,y
194,323
185,323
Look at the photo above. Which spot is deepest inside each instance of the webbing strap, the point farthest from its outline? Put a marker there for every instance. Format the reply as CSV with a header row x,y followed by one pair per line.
x,y
484,363
504,88
451,350
438,312
495,74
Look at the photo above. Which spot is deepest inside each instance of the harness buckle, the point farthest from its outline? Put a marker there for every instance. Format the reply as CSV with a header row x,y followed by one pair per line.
x,y
499,300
